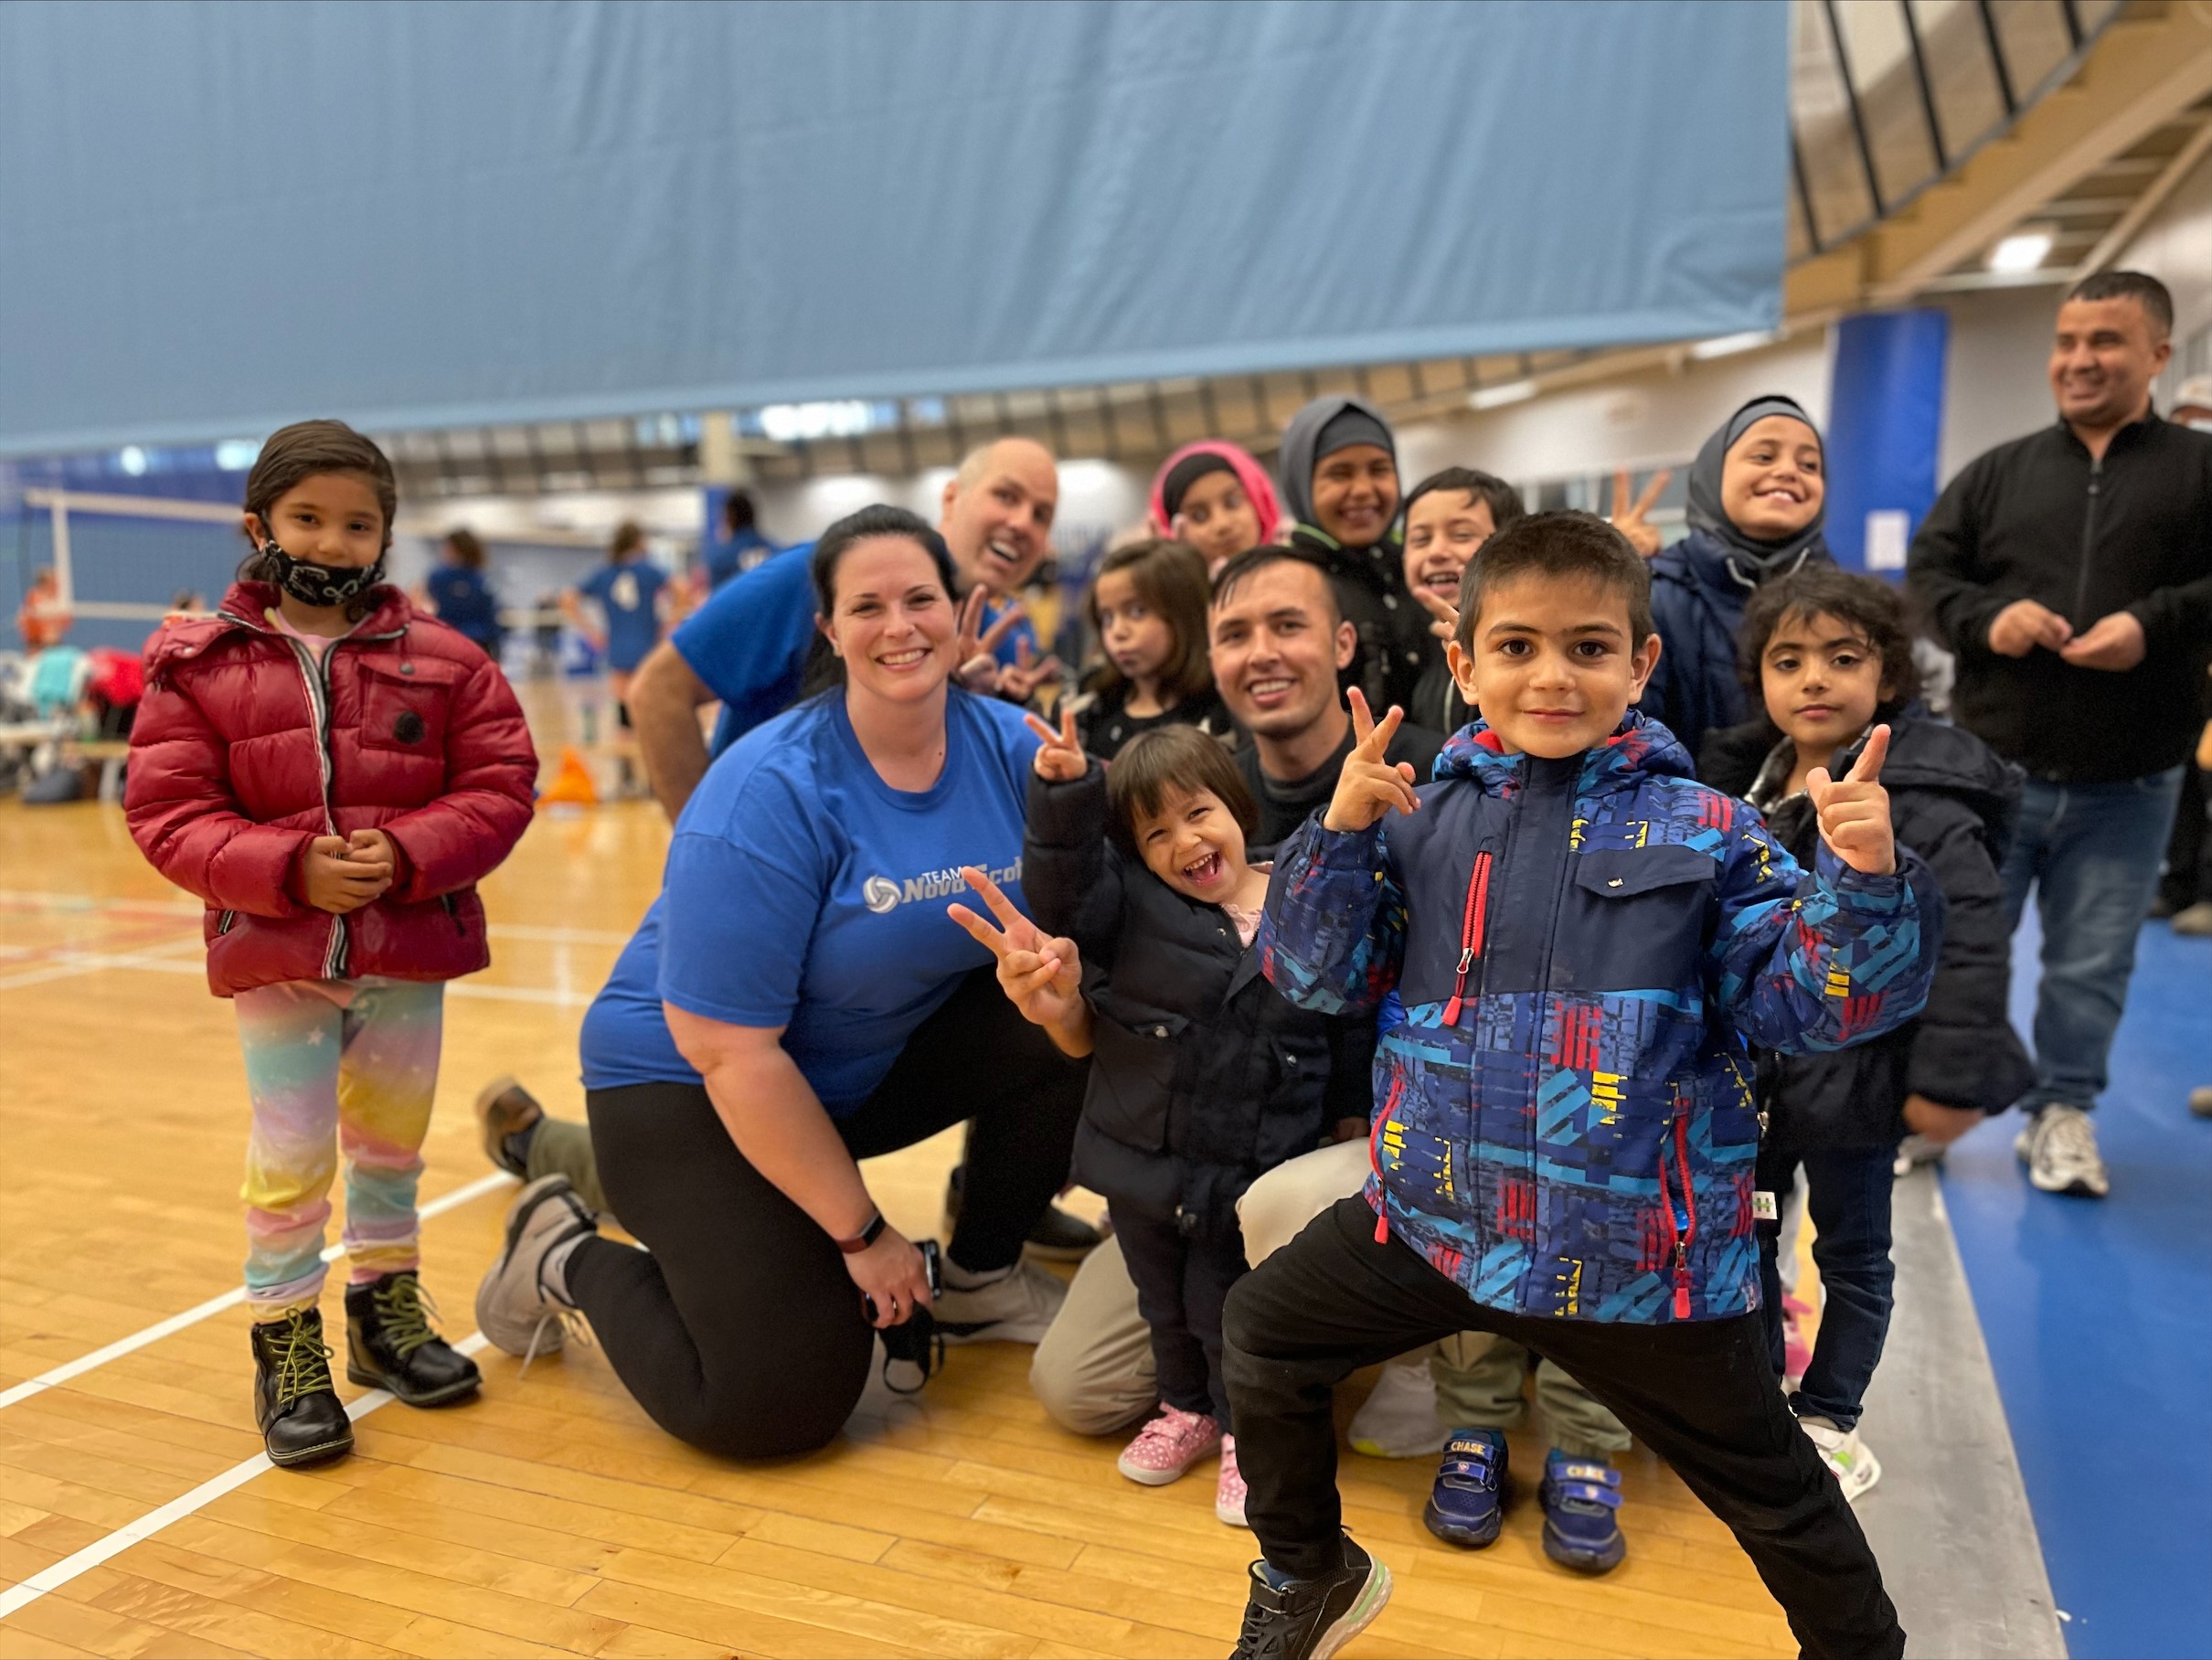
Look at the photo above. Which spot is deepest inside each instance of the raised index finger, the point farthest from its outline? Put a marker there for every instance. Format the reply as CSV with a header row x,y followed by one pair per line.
x,y
1867,768
1362,719
1652,492
1001,906
1378,741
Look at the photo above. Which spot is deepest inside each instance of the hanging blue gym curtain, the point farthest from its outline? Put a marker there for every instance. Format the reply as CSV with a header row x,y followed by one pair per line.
x,y
216,217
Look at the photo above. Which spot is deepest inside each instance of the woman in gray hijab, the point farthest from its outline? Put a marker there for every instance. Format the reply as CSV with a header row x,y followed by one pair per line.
x,y
1757,495
1339,471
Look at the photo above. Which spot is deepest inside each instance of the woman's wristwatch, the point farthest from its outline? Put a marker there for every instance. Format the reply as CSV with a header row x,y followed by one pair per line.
x,y
867,1236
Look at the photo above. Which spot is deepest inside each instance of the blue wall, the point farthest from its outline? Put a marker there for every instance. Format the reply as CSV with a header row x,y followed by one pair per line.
x,y
1885,429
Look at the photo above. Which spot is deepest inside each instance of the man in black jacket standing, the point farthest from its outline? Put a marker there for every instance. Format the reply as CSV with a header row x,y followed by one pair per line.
x,y
2070,571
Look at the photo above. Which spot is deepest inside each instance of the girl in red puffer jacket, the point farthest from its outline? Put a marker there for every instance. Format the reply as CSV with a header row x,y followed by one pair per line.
x,y
332,772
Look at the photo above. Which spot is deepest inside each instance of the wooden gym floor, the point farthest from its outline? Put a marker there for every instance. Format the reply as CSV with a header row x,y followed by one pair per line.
x,y
549,1516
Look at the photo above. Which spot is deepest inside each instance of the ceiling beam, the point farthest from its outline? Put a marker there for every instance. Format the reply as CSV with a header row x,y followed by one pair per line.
x,y
2123,232
2143,72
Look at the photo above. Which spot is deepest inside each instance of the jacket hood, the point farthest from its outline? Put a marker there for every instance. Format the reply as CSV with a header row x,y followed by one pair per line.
x,y
243,606
1756,559
1300,440
1639,748
1259,489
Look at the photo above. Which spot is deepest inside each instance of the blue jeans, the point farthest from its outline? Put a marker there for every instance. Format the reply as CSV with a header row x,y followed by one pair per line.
x,y
1848,1202
2091,853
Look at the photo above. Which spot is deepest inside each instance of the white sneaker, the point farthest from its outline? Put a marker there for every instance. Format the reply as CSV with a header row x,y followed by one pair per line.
x,y
2059,1149
1853,1461
1016,1306
1915,1149
1400,1418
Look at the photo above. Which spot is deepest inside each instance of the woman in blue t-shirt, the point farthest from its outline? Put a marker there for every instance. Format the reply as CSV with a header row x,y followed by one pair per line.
x,y
797,1000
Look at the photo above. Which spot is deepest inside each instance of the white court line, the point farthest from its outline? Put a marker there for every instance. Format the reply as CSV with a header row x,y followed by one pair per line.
x,y
85,901
175,1510
71,964
215,1305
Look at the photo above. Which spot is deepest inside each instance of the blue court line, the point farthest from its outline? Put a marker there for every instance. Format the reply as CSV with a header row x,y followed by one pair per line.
x,y
2098,1316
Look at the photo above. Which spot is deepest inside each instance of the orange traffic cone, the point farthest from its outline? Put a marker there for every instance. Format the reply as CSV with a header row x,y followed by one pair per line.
x,y
572,784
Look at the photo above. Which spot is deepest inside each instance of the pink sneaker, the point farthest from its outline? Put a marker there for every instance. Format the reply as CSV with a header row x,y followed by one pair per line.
x,y
1169,1445
1797,1353
1229,1492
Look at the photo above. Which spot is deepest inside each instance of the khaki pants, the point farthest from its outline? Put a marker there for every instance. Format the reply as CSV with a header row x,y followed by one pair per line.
x,y
1093,1370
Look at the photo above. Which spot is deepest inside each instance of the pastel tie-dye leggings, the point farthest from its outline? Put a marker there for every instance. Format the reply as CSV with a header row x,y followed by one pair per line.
x,y
333,1067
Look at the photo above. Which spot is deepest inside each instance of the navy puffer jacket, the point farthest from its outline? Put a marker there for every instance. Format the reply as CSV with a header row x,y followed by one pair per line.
x,y
1202,1076
1698,593
1953,800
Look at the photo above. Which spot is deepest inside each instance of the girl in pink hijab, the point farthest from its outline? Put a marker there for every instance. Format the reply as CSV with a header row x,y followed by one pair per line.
x,y
1215,497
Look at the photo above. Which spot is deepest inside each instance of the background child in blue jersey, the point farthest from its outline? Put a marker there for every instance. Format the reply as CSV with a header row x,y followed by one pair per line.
x,y
628,594
1829,653
1203,1077
1571,943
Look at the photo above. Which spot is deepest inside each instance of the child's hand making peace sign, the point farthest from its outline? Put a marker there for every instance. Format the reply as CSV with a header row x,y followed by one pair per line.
x,y
1369,785
1854,810
1061,761
1042,976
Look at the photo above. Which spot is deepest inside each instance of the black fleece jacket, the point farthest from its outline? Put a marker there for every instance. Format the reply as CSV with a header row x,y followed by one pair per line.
x,y
1203,1076
1953,801
1395,644
2038,519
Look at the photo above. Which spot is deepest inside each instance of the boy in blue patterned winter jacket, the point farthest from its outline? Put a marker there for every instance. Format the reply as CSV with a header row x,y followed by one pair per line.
x,y
1570,944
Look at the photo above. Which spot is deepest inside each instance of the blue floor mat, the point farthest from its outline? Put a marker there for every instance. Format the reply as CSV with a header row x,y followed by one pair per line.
x,y
2099,1320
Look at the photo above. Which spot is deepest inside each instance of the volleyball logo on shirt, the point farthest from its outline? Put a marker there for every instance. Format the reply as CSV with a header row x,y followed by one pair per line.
x,y
882,894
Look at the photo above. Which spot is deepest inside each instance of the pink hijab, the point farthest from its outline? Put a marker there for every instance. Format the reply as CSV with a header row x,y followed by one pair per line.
x,y
1259,489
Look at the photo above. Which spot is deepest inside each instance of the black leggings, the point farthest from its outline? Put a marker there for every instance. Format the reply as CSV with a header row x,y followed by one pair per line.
x,y
737,1328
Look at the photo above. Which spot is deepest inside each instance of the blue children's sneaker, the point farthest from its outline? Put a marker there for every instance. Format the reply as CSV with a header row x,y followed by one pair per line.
x,y
1467,1506
1580,1498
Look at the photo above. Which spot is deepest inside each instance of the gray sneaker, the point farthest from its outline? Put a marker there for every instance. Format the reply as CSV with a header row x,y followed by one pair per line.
x,y
1018,1306
520,1308
2059,1149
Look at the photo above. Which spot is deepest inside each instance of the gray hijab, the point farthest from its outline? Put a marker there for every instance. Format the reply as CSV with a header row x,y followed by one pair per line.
x,y
1320,428
1754,560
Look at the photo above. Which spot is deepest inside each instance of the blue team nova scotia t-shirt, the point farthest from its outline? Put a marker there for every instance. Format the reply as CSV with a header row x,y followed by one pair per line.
x,y
803,892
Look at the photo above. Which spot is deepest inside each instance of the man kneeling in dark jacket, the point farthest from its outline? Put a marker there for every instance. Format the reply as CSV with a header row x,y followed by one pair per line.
x,y
1829,653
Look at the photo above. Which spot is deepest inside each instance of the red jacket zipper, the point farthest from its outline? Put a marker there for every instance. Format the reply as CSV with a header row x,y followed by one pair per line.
x,y
1678,1238
1382,1189
1471,933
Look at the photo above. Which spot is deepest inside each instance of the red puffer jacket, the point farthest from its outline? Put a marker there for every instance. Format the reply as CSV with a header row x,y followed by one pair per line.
x,y
246,751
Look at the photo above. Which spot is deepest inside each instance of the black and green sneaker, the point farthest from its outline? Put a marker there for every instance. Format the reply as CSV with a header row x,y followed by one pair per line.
x,y
390,1343
1287,1619
301,1418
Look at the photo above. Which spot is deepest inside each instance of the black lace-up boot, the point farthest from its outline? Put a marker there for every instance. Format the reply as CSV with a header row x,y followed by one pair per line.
x,y
301,1418
390,1343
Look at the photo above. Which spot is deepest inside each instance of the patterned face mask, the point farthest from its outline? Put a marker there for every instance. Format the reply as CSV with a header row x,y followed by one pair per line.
x,y
314,584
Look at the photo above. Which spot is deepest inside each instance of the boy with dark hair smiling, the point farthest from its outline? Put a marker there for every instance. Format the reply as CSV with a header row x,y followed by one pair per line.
x,y
1571,944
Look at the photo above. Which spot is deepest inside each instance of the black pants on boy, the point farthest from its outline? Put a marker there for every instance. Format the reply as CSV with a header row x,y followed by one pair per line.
x,y
737,1328
1847,1195
1702,1395
1182,1285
